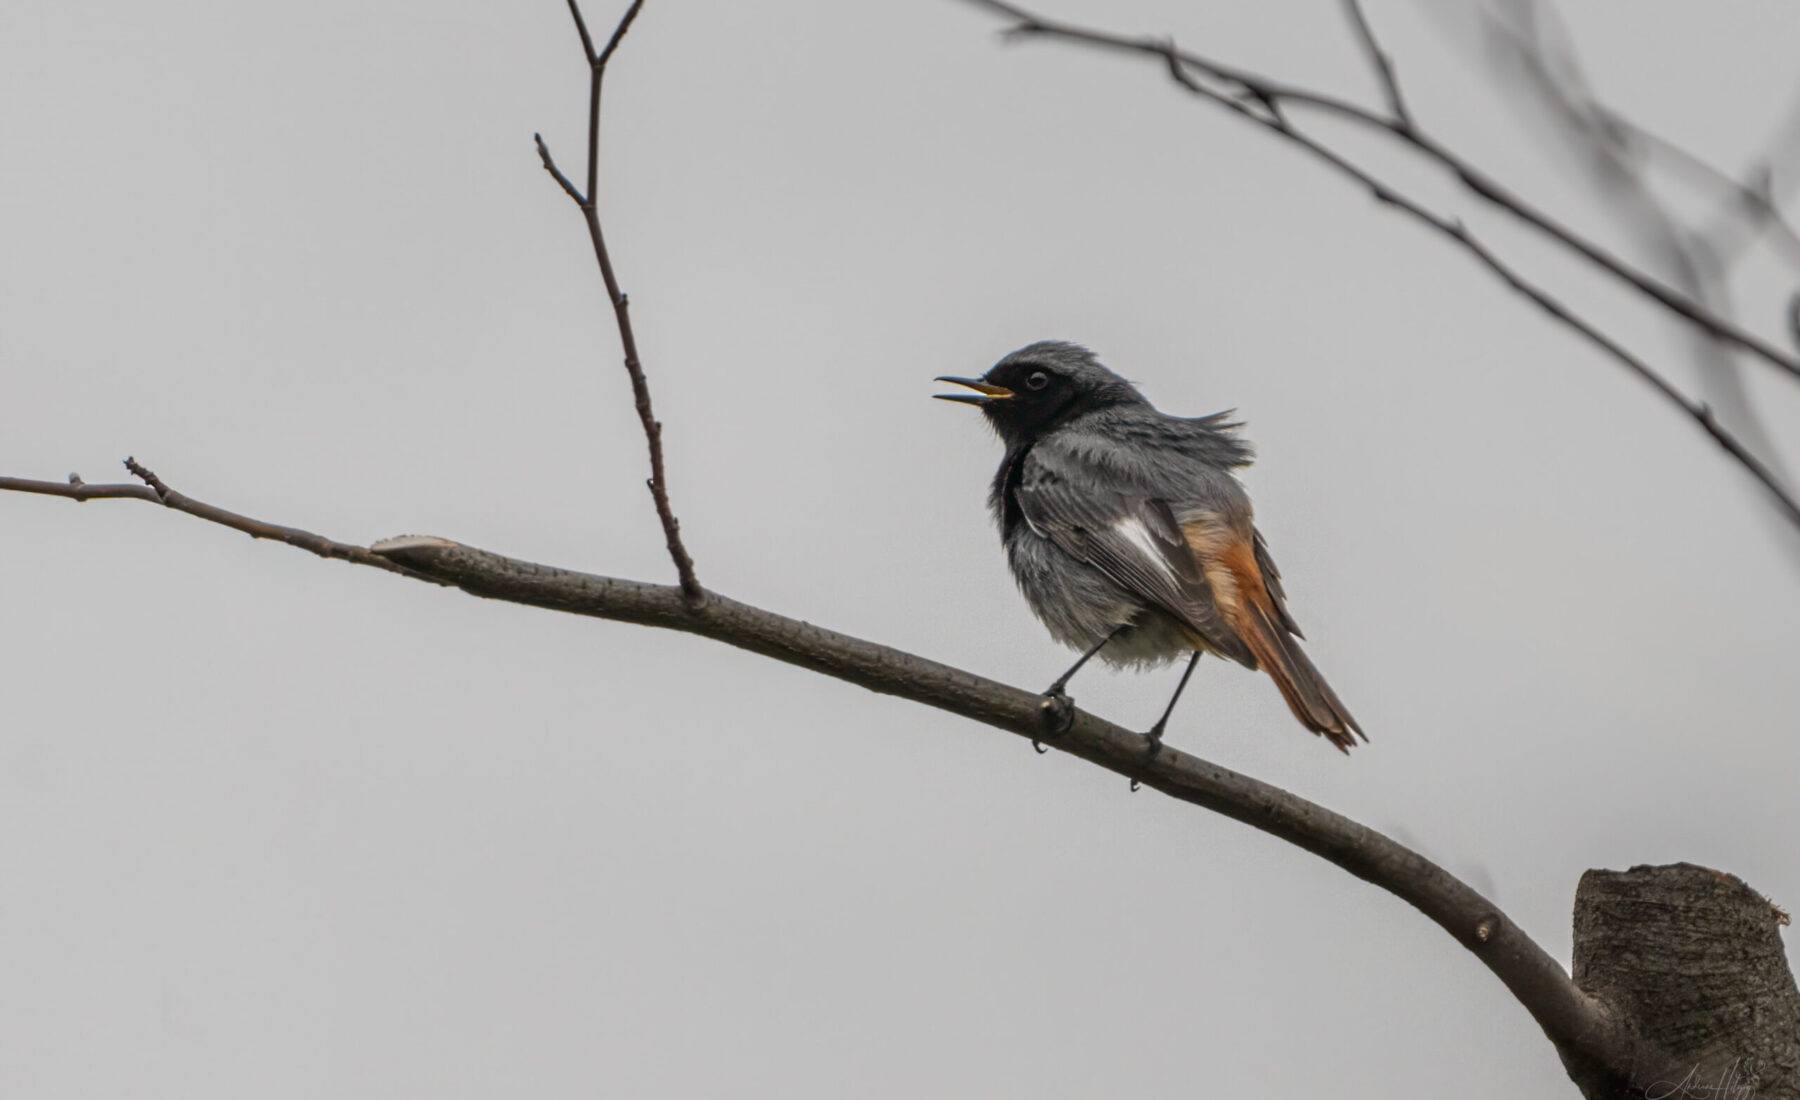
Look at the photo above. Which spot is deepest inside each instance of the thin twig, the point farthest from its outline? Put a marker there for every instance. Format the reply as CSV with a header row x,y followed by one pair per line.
x,y
621,303
154,491
79,490
1178,63
618,34
1580,1027
1700,412
563,181
1472,178
1456,231
1626,142
1381,63
587,41
1538,44
1754,199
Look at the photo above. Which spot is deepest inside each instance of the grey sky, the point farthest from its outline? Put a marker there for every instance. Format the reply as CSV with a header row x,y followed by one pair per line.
x,y
270,826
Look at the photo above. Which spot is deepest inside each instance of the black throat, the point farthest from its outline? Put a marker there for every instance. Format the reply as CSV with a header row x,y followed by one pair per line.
x,y
1005,495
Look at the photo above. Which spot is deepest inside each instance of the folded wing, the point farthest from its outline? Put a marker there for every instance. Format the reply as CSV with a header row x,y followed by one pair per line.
x,y
1132,537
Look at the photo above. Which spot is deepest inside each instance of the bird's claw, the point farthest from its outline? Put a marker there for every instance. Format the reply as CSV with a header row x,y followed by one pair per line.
x,y
1058,711
1039,746
1155,738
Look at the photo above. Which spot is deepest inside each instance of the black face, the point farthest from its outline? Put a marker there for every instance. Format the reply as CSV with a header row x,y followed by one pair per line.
x,y
1022,399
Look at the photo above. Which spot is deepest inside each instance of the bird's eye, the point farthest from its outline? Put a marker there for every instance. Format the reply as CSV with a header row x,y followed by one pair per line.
x,y
1038,380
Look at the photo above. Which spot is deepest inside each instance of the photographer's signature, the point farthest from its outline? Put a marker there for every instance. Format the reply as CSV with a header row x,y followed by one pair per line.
x,y
1736,1082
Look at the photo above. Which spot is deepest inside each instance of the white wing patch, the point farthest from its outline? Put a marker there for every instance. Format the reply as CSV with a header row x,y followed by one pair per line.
x,y
1134,531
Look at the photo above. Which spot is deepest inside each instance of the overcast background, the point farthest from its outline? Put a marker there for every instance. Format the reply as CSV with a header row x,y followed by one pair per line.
x,y
272,826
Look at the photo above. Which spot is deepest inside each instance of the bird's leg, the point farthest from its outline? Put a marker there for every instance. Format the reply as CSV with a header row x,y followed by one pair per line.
x,y
1059,709
1156,732
1063,680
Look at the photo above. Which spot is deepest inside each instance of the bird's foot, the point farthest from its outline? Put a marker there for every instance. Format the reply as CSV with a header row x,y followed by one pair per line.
x,y
1155,737
1057,713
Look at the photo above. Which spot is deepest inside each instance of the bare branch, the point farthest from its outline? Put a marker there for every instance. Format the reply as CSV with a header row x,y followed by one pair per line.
x,y
154,491
1381,62
1456,231
1533,36
1271,95
563,181
1581,1028
1544,60
76,489
1474,179
621,303
1752,200
587,41
1701,413
618,34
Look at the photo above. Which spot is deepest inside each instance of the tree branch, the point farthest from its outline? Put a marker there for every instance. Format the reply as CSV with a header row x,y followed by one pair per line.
x,y
1591,136
1270,95
154,491
562,181
1471,177
1533,35
1584,1031
621,304
1381,63
1752,200
587,41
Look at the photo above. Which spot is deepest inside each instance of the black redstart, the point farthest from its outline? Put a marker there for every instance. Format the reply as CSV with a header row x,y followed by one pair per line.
x,y
1129,534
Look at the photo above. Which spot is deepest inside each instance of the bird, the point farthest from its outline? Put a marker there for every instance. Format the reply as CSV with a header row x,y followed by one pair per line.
x,y
1130,535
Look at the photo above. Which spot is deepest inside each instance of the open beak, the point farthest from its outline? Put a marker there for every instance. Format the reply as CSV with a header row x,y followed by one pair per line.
x,y
985,393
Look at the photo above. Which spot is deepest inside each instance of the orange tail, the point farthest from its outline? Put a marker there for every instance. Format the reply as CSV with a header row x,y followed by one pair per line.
x,y
1307,694
1268,632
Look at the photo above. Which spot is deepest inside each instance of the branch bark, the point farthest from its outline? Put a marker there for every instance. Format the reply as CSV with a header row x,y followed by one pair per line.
x,y
1583,1030
1694,958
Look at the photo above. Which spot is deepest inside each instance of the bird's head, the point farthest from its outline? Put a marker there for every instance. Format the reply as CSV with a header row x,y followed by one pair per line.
x,y
1041,385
